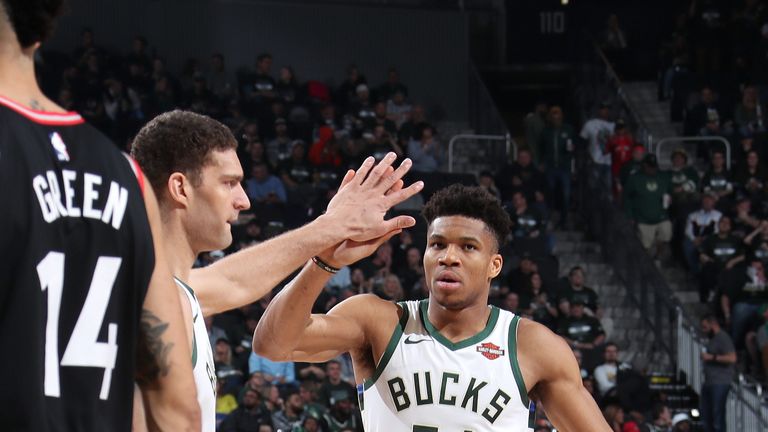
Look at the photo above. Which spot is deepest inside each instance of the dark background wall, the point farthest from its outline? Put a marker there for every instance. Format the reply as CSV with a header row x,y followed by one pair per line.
x,y
429,47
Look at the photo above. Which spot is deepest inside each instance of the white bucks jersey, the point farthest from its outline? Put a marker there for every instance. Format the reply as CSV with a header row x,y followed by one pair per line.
x,y
426,383
202,362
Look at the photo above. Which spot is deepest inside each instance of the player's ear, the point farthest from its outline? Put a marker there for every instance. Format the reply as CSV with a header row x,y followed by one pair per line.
x,y
494,267
178,188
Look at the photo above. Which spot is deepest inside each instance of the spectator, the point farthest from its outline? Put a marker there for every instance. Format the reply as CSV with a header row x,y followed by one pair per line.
x,y
583,332
614,415
287,88
519,277
719,252
749,115
398,110
684,179
427,153
325,152
380,118
700,225
614,43
584,373
392,86
308,393
576,291
485,180
705,111
263,187
282,374
661,419
751,177
412,271
412,128
297,174
511,303
557,145
535,302
681,423
596,133
607,373
382,142
279,148
535,122
745,292
646,199
523,175
222,83
757,343
346,93
334,388
292,415
362,109
632,167
757,243
249,416
744,220
261,86
717,179
342,417
619,150
719,358
214,332
391,289
527,222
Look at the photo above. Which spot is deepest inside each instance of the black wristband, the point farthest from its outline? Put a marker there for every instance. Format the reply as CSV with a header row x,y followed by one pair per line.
x,y
323,265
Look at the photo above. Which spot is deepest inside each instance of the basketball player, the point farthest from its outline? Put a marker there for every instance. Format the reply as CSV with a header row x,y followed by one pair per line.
x,y
86,305
192,164
450,362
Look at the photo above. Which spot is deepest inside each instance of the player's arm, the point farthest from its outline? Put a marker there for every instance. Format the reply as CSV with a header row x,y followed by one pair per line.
x,y
356,212
163,366
553,375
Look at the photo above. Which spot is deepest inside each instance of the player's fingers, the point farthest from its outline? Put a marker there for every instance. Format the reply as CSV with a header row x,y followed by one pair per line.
x,y
396,198
388,180
399,223
364,169
347,178
380,170
385,238
397,187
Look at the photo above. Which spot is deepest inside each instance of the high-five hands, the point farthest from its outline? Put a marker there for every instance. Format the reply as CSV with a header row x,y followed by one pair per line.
x,y
367,194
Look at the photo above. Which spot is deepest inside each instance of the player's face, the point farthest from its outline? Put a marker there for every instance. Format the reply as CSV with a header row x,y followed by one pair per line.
x,y
460,261
216,202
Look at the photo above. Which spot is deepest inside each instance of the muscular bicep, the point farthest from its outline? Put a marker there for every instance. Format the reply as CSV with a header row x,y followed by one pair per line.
x,y
553,375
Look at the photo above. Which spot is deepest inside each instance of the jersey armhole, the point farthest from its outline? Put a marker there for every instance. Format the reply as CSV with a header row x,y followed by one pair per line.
x,y
512,344
137,171
397,333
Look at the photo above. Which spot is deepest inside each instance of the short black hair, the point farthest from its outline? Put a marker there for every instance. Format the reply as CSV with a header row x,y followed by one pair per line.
x,y
263,56
179,141
657,410
32,20
574,269
473,202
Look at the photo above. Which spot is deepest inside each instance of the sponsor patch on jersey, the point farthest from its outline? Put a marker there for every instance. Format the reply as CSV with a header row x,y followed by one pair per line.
x,y
490,351
59,147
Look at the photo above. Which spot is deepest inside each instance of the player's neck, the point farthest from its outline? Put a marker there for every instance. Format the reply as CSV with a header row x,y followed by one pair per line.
x,y
178,249
18,81
457,325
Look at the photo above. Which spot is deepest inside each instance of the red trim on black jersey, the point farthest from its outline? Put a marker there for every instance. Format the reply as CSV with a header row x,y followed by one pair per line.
x,y
43,117
137,170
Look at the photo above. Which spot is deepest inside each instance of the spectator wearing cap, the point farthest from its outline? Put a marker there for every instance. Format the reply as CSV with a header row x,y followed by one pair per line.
x,y
279,148
719,357
583,332
342,417
717,180
719,252
646,200
698,226
596,132
619,150
681,422
557,145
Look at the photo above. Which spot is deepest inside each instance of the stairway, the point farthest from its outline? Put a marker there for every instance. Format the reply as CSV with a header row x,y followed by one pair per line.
x,y
621,319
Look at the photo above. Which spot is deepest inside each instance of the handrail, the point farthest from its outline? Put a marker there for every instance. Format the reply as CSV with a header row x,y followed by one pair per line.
x,y
698,139
613,76
510,144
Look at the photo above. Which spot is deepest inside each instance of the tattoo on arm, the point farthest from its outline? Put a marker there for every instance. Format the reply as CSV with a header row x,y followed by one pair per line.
x,y
152,351
35,105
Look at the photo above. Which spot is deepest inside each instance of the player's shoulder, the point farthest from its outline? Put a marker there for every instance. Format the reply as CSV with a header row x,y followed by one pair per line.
x,y
532,336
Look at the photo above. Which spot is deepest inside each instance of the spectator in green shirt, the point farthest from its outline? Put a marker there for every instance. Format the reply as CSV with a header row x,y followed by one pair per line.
x,y
556,146
646,200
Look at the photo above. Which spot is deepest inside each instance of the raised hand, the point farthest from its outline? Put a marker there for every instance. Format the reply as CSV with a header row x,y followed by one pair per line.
x,y
367,194
350,251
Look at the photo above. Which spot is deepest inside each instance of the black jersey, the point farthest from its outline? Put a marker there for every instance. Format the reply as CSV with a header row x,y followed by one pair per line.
x,y
76,257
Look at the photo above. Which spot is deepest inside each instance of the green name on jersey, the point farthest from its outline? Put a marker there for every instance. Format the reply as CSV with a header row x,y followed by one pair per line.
x,y
453,391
